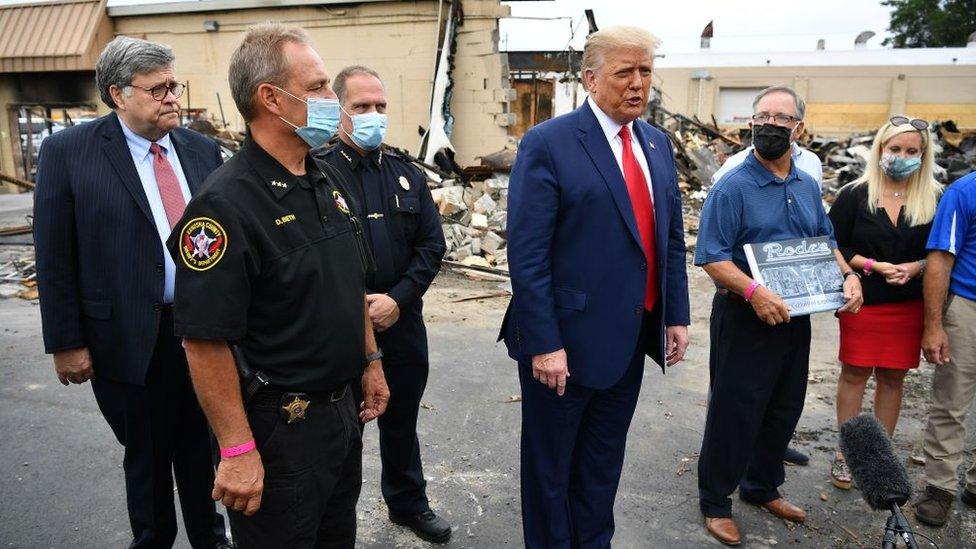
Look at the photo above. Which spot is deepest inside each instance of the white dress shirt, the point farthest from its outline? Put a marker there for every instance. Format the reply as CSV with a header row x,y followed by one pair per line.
x,y
139,147
612,131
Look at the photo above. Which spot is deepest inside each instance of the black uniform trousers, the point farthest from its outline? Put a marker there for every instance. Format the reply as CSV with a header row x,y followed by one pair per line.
x,y
406,366
758,381
164,432
312,474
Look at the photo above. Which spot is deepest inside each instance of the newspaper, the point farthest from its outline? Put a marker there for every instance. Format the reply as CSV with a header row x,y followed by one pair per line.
x,y
802,271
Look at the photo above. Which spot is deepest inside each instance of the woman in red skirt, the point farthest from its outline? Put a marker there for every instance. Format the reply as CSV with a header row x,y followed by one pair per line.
x,y
881,222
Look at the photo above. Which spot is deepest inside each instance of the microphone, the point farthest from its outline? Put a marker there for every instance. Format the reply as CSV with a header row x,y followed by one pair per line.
x,y
879,474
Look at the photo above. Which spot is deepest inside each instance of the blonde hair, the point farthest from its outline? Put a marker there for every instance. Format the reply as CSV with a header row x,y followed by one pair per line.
x,y
610,38
923,189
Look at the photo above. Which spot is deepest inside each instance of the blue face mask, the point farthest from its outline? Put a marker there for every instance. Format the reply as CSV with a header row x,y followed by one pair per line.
x,y
900,168
322,120
368,130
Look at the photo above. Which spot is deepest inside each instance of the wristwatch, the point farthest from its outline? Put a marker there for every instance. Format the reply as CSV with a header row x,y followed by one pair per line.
x,y
374,356
849,273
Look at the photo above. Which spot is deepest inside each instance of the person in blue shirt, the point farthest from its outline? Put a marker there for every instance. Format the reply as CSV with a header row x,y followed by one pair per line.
x,y
759,356
949,342
805,161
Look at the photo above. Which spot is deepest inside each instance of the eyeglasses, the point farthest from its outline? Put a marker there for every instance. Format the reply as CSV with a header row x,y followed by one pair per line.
x,y
780,119
159,91
916,123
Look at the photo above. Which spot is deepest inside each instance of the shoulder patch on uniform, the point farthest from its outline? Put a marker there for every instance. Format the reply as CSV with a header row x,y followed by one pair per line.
x,y
202,243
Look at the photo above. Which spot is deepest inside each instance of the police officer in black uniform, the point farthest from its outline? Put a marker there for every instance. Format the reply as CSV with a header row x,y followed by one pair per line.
x,y
271,271
404,232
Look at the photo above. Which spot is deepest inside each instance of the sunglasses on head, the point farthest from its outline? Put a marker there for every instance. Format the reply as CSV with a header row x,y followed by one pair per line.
x,y
916,123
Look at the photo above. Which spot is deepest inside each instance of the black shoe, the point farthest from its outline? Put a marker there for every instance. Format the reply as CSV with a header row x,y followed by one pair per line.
x,y
427,525
795,457
969,498
933,507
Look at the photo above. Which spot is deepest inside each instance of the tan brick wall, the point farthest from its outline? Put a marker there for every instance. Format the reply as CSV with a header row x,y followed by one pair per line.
x,y
840,99
398,39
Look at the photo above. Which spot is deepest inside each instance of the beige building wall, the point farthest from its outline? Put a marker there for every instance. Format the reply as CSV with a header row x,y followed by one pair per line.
x,y
398,39
839,100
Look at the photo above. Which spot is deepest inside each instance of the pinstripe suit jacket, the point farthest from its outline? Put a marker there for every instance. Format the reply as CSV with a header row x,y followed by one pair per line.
x,y
99,257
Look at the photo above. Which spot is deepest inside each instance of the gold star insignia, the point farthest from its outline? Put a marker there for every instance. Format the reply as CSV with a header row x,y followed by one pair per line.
x,y
296,409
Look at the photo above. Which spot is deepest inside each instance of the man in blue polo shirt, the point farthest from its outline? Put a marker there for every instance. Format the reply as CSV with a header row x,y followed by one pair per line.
x,y
949,342
759,356
805,161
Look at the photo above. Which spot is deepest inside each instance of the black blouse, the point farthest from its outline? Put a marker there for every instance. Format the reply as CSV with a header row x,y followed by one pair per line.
x,y
859,232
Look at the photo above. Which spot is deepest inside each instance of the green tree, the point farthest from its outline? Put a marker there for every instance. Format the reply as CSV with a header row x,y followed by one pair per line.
x,y
930,23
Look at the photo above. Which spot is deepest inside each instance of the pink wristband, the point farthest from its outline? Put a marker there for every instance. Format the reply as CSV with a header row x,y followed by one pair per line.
x,y
235,451
750,290
867,266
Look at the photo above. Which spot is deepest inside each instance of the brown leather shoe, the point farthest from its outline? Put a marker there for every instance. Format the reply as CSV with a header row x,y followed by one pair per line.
x,y
724,530
785,510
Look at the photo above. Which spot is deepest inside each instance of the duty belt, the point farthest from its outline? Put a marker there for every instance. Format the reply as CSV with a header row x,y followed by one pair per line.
x,y
293,406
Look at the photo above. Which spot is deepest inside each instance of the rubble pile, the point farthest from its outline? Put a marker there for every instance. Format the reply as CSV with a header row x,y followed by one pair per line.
x,y
958,155
474,218
845,159
18,275
230,141
699,149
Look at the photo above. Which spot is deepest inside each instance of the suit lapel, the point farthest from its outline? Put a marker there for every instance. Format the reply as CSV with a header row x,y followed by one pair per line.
x,y
190,162
117,151
595,144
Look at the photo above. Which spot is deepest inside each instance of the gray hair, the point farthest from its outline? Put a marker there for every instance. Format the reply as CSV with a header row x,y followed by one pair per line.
x,y
610,38
801,106
339,84
123,59
259,60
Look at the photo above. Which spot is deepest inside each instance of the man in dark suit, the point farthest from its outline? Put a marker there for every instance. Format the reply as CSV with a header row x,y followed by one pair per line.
x,y
597,257
108,194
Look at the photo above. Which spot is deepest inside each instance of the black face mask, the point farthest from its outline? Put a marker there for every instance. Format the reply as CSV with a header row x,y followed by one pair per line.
x,y
771,141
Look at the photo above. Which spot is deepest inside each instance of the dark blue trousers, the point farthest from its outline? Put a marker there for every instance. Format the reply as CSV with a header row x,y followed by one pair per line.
x,y
758,380
406,366
165,435
572,456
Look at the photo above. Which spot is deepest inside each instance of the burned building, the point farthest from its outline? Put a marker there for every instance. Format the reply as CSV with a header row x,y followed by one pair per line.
x,y
48,51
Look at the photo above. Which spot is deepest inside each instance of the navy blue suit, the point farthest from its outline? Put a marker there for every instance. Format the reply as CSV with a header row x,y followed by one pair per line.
x,y
100,274
578,276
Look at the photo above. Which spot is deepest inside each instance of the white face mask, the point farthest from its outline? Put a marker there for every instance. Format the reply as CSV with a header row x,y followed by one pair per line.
x,y
368,129
322,120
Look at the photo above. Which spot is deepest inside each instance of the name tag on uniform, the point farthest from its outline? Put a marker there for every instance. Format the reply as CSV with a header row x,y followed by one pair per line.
x,y
285,219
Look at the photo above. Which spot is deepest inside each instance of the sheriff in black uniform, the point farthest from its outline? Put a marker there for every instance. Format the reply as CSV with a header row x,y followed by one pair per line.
x,y
404,233
271,260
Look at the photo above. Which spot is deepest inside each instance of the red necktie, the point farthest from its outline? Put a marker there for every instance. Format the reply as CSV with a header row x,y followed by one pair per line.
x,y
640,201
169,186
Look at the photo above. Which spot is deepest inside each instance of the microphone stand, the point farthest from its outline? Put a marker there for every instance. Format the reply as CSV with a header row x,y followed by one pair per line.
x,y
890,539
898,525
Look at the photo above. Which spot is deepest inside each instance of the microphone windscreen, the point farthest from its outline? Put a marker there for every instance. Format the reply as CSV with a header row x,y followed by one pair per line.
x,y
879,474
